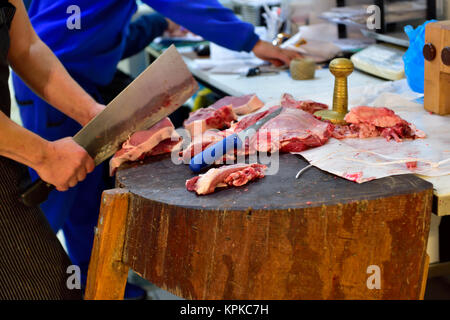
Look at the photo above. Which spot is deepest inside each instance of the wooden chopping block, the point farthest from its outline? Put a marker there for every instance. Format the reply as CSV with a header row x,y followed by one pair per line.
x,y
437,67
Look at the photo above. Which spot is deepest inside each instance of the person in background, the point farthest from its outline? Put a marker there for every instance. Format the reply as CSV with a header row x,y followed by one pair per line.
x,y
33,264
141,32
90,38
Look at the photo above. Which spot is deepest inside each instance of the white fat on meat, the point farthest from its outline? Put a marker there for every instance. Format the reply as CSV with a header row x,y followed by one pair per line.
x,y
210,118
309,106
159,139
233,175
241,105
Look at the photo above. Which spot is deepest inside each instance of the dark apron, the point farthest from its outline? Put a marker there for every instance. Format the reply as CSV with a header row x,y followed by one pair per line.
x,y
33,264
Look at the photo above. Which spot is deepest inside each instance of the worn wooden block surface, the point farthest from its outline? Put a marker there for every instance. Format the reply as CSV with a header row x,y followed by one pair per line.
x,y
278,238
160,180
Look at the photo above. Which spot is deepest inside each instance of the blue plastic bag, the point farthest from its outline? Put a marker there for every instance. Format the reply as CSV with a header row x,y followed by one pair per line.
x,y
413,58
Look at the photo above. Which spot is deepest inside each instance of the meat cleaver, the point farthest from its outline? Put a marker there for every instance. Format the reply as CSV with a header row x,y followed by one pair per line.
x,y
158,91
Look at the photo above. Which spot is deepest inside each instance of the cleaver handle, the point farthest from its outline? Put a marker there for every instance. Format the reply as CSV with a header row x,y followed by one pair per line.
x,y
37,193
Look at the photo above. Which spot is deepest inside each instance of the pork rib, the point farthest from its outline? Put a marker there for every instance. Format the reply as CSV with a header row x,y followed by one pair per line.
x,y
367,122
159,139
233,175
210,118
241,105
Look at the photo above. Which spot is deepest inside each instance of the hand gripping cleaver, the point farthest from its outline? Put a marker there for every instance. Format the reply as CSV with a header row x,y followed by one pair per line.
x,y
158,91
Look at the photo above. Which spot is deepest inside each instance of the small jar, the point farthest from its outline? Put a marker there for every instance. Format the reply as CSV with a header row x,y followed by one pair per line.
x,y
303,69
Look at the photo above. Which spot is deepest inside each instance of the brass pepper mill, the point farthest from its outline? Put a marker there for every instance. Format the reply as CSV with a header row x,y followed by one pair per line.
x,y
341,68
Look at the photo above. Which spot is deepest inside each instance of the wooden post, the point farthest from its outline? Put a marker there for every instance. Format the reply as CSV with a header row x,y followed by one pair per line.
x,y
107,274
426,265
437,67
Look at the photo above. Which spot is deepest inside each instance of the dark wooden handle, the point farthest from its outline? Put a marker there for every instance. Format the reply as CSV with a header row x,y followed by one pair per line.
x,y
429,51
37,193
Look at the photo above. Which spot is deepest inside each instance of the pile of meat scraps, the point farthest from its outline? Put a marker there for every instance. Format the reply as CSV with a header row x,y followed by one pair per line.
x,y
369,122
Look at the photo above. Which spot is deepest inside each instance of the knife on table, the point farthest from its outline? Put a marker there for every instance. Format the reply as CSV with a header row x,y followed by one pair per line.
x,y
157,92
230,143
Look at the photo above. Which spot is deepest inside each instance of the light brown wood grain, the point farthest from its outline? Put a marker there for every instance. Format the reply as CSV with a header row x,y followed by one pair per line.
x,y
437,74
314,253
426,265
107,274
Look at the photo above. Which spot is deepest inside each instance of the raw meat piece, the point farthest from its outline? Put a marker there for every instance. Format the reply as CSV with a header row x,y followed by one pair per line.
x,y
309,106
207,139
241,105
367,122
210,118
201,142
159,139
210,137
293,130
235,175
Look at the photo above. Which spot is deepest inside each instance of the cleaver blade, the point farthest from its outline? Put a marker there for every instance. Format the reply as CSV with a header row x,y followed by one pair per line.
x,y
156,93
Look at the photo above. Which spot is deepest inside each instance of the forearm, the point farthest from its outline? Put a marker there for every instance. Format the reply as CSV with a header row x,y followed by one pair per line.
x,y
41,70
20,144
211,20
47,77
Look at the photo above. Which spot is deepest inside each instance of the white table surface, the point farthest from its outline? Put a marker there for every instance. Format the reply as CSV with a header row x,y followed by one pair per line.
x,y
272,86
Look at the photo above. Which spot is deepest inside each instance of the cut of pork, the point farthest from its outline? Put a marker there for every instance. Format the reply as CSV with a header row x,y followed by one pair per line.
x,y
241,105
159,139
309,106
234,175
210,118
294,130
368,122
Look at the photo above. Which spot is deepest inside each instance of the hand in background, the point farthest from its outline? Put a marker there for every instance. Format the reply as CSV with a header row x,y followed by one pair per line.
x,y
65,164
275,55
175,30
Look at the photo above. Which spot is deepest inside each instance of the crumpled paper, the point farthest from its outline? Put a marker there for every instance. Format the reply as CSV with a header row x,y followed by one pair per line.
x,y
318,45
362,160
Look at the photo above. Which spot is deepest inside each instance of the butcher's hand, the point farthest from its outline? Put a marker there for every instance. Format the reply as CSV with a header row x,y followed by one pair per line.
x,y
65,163
275,55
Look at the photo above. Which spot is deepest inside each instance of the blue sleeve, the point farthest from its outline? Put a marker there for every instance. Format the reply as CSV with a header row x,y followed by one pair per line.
x,y
142,32
209,19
